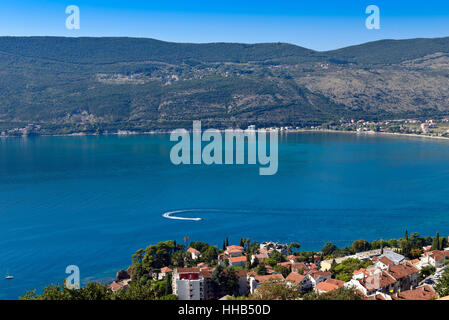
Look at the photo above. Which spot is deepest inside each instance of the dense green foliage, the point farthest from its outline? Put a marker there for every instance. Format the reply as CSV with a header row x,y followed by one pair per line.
x,y
442,286
344,271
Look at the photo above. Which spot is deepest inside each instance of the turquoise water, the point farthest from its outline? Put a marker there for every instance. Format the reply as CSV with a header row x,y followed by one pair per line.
x,y
93,201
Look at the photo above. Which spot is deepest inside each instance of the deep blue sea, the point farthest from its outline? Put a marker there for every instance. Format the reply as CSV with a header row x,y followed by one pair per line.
x,y
93,201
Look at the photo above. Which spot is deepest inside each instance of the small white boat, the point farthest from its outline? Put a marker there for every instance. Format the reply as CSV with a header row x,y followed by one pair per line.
x,y
9,277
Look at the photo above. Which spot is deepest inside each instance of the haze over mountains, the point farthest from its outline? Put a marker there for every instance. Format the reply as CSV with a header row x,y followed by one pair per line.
x,y
102,84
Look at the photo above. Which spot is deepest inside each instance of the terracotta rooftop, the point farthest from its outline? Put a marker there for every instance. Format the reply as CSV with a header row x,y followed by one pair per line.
x,y
386,261
276,276
193,250
237,259
115,286
187,270
402,270
234,247
422,293
295,277
329,285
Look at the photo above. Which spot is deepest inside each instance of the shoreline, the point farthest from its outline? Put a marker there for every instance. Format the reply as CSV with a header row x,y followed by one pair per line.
x,y
365,133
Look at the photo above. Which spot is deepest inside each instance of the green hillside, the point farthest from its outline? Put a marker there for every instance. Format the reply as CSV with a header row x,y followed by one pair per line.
x,y
70,85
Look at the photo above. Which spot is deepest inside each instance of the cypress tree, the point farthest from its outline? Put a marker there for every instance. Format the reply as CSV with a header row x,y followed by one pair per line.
x,y
438,241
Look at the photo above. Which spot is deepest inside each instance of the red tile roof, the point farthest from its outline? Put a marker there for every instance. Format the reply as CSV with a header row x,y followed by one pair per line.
x,y
115,286
166,269
326,287
237,259
276,276
423,293
193,250
285,264
234,247
295,277
386,261
188,270
402,270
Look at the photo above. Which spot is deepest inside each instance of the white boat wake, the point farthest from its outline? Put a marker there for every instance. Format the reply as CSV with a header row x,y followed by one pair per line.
x,y
169,215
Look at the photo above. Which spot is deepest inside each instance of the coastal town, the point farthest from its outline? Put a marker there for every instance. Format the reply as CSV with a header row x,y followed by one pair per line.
x,y
414,268
413,127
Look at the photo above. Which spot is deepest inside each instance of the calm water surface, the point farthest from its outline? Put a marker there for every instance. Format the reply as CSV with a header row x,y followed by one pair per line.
x,y
93,201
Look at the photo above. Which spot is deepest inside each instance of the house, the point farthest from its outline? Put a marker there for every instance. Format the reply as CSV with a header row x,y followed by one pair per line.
x,y
271,246
377,281
329,285
256,280
243,282
389,279
366,255
237,261
326,265
234,251
405,274
434,258
393,256
383,263
300,267
194,253
360,274
422,293
302,280
317,276
188,284
116,286
261,256
164,272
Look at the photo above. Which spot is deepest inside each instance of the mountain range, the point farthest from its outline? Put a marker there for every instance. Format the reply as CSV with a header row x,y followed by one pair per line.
x,y
68,85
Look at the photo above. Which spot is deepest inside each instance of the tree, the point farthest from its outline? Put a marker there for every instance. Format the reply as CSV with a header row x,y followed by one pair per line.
x,y
328,249
93,291
345,269
436,242
426,271
276,290
261,270
293,245
361,245
225,281
282,270
227,242
442,286
210,255
415,253
339,294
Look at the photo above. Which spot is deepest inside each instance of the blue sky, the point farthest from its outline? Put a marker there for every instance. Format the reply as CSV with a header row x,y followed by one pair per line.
x,y
315,24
